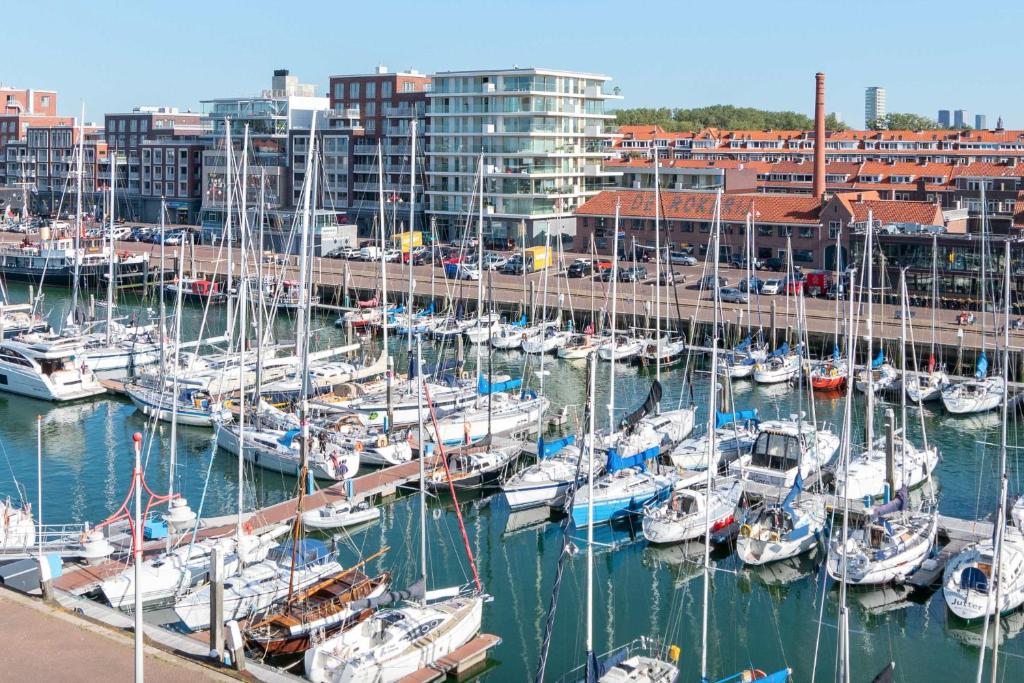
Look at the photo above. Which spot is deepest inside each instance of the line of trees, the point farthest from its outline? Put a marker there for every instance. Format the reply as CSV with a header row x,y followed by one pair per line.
x,y
905,121
725,116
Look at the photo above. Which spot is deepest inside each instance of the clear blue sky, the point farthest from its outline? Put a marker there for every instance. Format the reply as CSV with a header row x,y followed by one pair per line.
x,y
928,55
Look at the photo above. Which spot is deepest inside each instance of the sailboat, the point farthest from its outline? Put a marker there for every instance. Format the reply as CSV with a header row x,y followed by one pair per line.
x,y
921,387
781,365
776,532
980,395
986,579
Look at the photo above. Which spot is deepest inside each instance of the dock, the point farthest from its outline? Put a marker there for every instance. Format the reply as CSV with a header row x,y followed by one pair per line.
x,y
462,662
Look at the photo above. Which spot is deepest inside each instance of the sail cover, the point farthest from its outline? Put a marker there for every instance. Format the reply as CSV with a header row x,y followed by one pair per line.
x,y
725,419
781,351
879,359
894,505
484,387
547,448
745,344
414,592
648,406
982,368
289,436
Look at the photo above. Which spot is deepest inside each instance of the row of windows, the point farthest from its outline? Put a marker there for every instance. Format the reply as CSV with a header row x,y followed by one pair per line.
x,y
134,125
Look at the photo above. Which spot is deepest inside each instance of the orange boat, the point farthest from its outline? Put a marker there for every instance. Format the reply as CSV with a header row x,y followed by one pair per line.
x,y
828,377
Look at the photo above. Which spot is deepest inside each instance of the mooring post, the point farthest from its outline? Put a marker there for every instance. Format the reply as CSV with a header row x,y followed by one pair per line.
x,y
236,646
890,450
774,344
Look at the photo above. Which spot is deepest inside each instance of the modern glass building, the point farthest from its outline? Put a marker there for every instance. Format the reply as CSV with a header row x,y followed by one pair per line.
x,y
543,135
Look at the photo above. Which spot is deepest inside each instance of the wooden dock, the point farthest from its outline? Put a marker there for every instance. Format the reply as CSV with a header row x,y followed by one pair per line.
x,y
462,662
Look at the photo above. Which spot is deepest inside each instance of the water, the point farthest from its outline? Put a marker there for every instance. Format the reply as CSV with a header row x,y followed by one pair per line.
x,y
767,618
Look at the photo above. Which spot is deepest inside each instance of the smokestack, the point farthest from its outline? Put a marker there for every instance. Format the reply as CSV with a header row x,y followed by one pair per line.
x,y
819,135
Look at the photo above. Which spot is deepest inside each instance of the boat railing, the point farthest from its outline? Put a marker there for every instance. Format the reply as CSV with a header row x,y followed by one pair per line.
x,y
57,539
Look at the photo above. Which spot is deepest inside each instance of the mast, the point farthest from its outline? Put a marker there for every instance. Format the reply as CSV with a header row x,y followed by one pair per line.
x,y
935,288
590,509
243,220
229,155
712,408
381,214
241,413
657,273
424,449
78,220
301,321
260,290
174,355
412,217
615,299
480,265
844,617
110,256
869,416
983,274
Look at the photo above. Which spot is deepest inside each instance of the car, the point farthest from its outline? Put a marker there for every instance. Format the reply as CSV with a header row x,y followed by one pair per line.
x,y
731,295
122,232
793,285
391,255
751,284
774,264
681,258
580,268
708,281
418,256
834,292
139,234
908,314
493,260
514,265
634,274
667,277
771,287
461,271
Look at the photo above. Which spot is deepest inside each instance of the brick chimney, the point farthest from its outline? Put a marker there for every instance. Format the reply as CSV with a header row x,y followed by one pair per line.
x,y
819,135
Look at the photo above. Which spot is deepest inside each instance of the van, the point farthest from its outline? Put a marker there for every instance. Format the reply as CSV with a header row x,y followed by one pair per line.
x,y
536,258
369,254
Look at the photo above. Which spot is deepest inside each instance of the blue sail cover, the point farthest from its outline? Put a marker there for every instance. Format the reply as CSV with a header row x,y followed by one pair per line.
x,y
879,359
724,419
745,344
484,387
982,368
835,353
548,448
780,352
521,322
396,309
616,462
289,436
429,310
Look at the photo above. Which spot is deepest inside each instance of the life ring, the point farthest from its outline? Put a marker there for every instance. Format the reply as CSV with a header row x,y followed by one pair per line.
x,y
745,531
382,441
247,527
359,446
464,374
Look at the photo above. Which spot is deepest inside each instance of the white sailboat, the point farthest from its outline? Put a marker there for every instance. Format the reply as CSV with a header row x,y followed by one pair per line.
x,y
784,449
772,533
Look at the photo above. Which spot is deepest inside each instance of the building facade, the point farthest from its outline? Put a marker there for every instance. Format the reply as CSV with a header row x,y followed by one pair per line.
x,y
960,118
541,136
980,122
944,118
874,105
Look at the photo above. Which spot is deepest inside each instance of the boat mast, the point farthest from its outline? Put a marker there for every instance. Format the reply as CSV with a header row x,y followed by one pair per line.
x,y
174,380
657,273
712,408
591,675
480,262
110,256
261,291
78,221
615,300
844,616
229,156
984,275
935,288
381,214
424,449
300,321
243,221
412,217
869,395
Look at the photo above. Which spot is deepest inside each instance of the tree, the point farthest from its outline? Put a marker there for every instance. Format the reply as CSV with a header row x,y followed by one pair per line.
x,y
903,121
724,116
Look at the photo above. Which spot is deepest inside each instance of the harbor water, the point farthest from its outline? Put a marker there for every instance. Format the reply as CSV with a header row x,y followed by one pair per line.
x,y
767,618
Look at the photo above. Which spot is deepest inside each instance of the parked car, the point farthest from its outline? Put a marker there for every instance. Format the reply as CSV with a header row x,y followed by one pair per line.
x,y
835,293
731,295
909,314
139,234
667,277
606,274
633,274
461,271
602,265
494,260
122,232
391,256
708,281
771,287
369,254
741,262
751,284
580,268
514,265
774,264
793,285
681,258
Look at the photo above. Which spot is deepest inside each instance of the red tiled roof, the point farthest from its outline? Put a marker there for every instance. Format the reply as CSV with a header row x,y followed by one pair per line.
x,y
984,169
889,210
1018,211
767,208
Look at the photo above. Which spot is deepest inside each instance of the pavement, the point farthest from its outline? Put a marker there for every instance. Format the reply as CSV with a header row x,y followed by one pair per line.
x,y
44,643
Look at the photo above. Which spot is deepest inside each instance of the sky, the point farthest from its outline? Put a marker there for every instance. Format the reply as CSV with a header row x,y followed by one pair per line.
x,y
113,55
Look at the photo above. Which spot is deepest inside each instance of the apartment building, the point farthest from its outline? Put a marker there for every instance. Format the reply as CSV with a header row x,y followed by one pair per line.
x,y
385,103
542,134
874,105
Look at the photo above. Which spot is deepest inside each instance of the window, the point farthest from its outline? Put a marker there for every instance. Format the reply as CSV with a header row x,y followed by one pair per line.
x,y
407,87
120,125
111,125
784,231
806,232
370,109
803,256
371,90
133,125
45,100
371,126
353,90
143,125
339,91
385,89
833,229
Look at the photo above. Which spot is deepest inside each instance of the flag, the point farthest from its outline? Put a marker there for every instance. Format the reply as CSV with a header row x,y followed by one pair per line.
x,y
885,675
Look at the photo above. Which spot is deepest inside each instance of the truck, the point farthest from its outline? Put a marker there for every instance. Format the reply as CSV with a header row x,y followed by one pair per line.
x,y
536,258
818,282
404,241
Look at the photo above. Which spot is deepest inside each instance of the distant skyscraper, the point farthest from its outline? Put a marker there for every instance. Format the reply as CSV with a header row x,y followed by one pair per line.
x,y
980,122
874,104
960,117
943,118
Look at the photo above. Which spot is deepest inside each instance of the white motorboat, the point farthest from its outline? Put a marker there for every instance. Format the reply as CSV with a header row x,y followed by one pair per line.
x,y
395,643
686,513
785,448
279,450
620,348
47,369
771,533
885,549
926,388
912,466
19,319
173,574
973,396
475,466
258,586
340,514
375,446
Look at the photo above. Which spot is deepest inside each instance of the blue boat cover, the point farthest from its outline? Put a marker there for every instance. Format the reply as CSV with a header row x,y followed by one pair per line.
x,y
289,436
484,387
724,419
521,322
780,676
879,359
429,310
835,353
781,351
547,448
982,368
745,344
